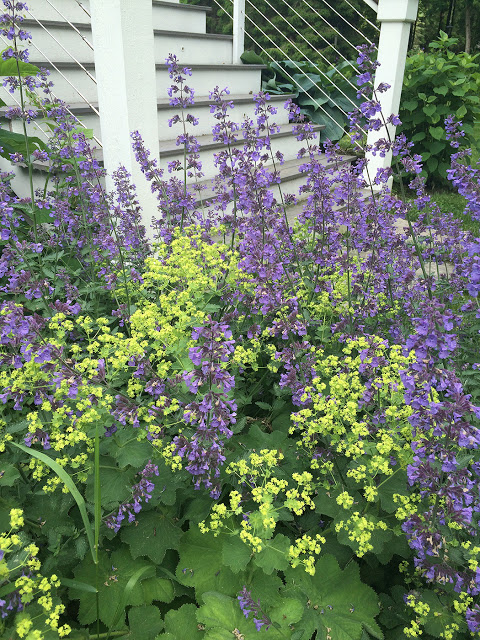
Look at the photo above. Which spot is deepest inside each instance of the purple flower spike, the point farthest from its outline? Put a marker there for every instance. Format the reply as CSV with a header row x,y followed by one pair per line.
x,y
248,606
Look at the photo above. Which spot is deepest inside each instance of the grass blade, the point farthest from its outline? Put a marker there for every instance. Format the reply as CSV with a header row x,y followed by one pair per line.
x,y
126,592
68,482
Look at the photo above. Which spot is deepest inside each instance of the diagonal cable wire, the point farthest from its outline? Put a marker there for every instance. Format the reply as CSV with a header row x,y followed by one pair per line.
x,y
322,73
290,77
305,40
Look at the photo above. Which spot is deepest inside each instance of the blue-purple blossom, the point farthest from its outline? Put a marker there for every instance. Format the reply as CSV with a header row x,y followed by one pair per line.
x,y
248,605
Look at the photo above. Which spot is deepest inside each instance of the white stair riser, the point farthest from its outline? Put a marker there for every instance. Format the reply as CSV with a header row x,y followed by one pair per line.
x,y
42,10
164,17
62,44
21,183
173,19
83,87
244,80
241,80
192,50
207,121
289,146
204,127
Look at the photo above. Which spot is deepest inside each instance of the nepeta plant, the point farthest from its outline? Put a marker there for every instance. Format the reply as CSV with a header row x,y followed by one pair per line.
x,y
276,433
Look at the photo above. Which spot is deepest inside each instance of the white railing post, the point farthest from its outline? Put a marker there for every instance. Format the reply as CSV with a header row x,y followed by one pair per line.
x,y
396,18
238,30
123,41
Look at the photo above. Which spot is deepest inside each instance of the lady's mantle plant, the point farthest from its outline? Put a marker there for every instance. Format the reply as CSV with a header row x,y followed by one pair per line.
x,y
253,426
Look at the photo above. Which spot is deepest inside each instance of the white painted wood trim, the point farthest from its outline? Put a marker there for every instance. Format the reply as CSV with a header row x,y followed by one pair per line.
x,y
372,4
238,30
396,18
127,93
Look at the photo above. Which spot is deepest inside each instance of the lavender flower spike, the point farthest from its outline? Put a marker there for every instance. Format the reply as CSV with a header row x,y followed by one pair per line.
x,y
248,606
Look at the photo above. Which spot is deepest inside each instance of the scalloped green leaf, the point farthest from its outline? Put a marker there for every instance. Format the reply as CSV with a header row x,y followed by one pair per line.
x,y
274,554
437,132
182,623
201,565
115,572
222,617
151,535
145,622
235,553
160,589
8,475
339,601
135,454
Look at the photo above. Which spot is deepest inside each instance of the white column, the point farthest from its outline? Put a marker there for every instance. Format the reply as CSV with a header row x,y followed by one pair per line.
x,y
127,93
396,18
238,30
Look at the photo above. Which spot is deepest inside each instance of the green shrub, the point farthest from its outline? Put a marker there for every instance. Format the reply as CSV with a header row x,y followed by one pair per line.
x,y
438,83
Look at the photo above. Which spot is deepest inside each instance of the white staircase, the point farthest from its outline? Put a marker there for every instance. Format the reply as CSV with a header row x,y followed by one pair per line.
x,y
61,42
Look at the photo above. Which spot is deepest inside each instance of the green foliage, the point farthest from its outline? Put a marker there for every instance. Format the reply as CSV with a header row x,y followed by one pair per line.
x,y
439,83
295,30
337,600
325,95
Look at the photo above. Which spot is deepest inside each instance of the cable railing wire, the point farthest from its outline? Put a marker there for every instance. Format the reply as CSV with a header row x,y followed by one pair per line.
x,y
290,77
359,13
337,51
322,73
286,73
89,44
342,17
319,53
64,49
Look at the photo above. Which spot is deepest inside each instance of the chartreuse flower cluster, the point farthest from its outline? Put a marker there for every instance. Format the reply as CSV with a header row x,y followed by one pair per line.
x,y
96,376
263,496
33,598
339,417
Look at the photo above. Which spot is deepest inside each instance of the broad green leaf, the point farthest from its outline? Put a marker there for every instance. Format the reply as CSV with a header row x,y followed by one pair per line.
x,y
235,553
306,100
339,601
461,111
437,132
221,615
201,564
8,475
115,484
9,68
410,105
145,622
418,137
250,57
274,554
114,575
182,623
159,589
151,536
132,453
12,142
396,483
288,612
429,109
257,439
168,482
